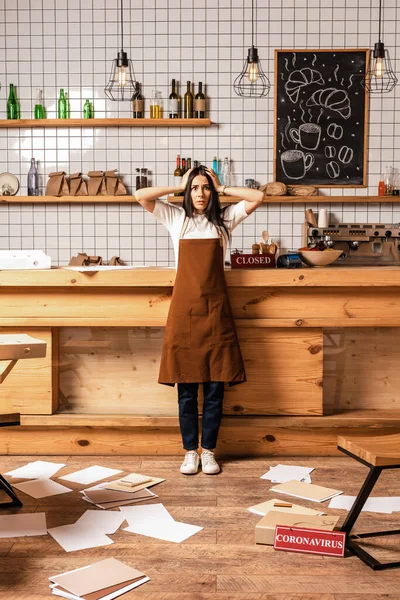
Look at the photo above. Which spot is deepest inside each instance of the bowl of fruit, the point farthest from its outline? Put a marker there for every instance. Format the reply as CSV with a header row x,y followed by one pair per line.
x,y
314,257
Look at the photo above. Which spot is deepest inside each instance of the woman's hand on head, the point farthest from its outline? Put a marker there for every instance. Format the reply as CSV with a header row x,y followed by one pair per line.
x,y
185,180
215,179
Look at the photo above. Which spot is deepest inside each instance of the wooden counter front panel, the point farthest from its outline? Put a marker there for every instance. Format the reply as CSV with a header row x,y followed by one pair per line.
x,y
115,371
29,387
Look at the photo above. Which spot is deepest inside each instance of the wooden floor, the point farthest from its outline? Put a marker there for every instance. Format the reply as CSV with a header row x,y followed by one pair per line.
x,y
221,562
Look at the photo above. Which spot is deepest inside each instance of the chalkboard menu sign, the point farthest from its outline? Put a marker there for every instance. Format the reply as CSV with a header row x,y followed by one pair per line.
x,y
320,117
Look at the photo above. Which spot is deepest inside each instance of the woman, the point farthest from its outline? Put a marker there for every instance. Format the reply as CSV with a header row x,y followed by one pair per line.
x,y
200,343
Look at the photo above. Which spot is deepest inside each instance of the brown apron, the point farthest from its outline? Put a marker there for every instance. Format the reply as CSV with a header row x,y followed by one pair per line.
x,y
200,342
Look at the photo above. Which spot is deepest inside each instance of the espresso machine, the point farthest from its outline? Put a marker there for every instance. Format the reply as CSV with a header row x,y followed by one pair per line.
x,y
362,244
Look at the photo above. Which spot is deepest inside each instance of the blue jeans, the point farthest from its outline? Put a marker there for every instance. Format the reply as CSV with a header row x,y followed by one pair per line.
x,y
189,414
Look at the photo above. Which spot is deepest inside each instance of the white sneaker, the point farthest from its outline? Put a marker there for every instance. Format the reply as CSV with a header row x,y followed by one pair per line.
x,y
209,465
191,463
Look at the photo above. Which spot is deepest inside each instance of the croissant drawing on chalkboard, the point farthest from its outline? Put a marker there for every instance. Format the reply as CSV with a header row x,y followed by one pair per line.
x,y
298,79
333,99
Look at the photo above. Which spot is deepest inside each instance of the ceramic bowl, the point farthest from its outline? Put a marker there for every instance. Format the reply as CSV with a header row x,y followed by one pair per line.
x,y
319,259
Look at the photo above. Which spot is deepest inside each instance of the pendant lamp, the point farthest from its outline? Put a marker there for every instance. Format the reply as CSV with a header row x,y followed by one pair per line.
x,y
121,84
252,81
380,77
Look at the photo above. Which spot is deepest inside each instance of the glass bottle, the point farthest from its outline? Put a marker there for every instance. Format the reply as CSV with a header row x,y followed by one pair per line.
x,y
389,181
33,180
137,178
39,108
199,105
137,102
154,106
160,104
189,164
226,172
178,174
173,104
12,104
67,104
188,103
381,186
62,106
87,110
143,178
184,167
215,166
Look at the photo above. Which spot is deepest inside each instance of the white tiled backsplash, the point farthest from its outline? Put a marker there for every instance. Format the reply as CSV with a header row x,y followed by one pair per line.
x,y
53,44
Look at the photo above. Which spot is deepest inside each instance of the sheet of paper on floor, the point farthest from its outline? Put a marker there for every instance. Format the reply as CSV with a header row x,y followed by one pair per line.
x,y
39,469
113,485
75,537
25,524
98,576
134,514
382,504
283,473
163,529
106,522
141,496
264,507
42,488
90,474
306,491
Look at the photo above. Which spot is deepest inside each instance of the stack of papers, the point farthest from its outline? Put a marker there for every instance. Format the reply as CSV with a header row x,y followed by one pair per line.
x,y
283,473
154,521
307,491
110,498
106,579
277,505
89,531
90,474
123,484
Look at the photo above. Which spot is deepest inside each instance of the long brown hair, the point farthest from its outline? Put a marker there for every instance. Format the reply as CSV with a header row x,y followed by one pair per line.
x,y
214,211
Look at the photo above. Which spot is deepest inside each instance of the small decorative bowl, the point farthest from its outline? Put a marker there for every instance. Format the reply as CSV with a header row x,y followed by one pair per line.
x,y
322,258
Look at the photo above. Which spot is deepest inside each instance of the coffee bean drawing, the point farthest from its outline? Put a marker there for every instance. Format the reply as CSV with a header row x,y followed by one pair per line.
x,y
345,155
335,131
333,169
330,151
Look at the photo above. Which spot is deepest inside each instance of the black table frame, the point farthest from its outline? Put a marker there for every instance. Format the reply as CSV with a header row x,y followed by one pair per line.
x,y
363,495
4,485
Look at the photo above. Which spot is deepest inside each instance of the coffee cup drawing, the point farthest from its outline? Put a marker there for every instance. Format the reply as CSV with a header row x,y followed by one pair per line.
x,y
308,135
296,163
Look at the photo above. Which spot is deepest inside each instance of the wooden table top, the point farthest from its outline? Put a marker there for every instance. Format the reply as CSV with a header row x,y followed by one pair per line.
x,y
379,451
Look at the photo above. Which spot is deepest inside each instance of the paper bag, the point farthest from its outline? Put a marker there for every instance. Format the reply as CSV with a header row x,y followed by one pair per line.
x,y
97,184
116,261
77,185
114,184
83,260
57,185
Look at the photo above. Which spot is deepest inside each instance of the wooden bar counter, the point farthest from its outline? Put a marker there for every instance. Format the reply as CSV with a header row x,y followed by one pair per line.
x,y
320,349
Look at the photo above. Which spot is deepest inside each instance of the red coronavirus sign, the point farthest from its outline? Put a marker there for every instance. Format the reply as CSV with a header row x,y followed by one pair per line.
x,y
310,541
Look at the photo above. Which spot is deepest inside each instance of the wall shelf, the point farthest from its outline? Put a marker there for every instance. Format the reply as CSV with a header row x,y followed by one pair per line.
x,y
90,123
179,199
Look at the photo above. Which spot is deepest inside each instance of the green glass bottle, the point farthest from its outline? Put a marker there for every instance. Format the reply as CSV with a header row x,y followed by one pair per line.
x,y
62,106
87,110
188,103
39,108
12,104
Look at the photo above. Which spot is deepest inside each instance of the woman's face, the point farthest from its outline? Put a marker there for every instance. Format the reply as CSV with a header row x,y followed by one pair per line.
x,y
200,193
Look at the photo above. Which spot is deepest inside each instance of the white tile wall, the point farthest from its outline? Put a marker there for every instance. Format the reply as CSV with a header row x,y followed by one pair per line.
x,y
70,43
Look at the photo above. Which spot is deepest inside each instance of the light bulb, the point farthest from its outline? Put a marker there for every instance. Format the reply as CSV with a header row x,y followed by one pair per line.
x,y
379,67
122,76
252,72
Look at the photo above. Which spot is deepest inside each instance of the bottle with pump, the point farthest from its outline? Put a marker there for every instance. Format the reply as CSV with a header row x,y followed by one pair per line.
x,y
137,102
226,172
173,102
188,103
199,105
33,180
178,174
62,106
12,104
39,108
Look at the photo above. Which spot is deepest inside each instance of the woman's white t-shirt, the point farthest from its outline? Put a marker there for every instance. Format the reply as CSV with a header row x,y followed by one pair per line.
x,y
197,227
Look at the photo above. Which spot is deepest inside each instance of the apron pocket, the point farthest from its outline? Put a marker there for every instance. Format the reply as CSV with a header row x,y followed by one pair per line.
x,y
223,324
177,331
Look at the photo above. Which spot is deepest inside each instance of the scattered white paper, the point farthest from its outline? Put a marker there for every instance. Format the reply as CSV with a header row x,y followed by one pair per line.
x,y
283,473
75,537
41,488
164,529
133,514
90,474
383,504
36,470
106,522
26,524
55,590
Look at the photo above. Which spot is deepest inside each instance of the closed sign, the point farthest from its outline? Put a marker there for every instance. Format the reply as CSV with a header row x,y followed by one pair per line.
x,y
252,261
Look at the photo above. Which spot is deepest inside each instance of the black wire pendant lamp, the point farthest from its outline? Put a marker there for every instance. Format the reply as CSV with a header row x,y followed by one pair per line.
x,y
380,77
121,84
252,81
